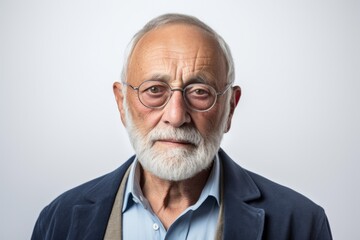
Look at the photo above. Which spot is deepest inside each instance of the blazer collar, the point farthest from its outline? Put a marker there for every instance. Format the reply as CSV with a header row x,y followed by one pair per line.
x,y
241,220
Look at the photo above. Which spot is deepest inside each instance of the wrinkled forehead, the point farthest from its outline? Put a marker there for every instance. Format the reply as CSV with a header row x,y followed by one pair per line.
x,y
187,47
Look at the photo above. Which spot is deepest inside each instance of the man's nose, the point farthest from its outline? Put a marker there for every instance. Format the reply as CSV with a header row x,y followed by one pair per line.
x,y
175,112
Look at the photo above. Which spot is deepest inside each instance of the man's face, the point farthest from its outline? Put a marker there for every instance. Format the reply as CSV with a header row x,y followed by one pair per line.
x,y
174,136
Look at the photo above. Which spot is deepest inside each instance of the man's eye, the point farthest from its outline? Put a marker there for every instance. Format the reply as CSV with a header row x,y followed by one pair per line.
x,y
155,90
200,92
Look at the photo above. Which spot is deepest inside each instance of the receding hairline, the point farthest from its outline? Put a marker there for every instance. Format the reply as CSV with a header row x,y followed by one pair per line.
x,y
157,36
206,33
181,19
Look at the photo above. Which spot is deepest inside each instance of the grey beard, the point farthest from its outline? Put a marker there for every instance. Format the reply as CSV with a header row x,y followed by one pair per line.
x,y
174,164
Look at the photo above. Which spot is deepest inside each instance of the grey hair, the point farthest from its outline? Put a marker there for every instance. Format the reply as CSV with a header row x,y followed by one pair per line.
x,y
185,19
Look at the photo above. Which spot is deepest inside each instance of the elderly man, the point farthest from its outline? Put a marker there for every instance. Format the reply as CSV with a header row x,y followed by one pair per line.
x,y
176,101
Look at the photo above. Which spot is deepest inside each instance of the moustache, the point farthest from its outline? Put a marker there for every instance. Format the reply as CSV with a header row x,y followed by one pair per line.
x,y
184,134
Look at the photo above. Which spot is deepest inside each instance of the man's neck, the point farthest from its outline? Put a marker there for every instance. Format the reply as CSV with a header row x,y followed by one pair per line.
x,y
168,199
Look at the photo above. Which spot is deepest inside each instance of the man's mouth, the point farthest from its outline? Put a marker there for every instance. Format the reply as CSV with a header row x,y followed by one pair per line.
x,y
175,142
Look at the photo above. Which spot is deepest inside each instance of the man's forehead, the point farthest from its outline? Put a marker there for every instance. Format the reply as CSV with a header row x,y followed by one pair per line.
x,y
178,64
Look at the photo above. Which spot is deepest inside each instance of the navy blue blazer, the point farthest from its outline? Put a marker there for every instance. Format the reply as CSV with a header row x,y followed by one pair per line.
x,y
254,208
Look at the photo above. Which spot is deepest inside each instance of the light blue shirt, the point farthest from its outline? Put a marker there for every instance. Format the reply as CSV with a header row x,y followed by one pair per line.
x,y
198,221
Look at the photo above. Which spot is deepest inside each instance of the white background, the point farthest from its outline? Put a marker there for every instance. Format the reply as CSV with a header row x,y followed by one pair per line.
x,y
298,63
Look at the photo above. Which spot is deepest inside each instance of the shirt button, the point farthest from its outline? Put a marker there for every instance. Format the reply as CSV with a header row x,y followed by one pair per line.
x,y
155,227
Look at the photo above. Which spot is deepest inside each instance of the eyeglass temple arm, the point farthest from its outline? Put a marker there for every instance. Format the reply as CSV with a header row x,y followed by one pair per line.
x,y
225,90
134,88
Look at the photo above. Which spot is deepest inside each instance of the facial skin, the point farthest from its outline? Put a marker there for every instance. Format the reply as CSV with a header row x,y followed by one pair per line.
x,y
178,54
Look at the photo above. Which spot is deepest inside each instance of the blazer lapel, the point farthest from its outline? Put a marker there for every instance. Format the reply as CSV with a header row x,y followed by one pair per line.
x,y
241,221
89,220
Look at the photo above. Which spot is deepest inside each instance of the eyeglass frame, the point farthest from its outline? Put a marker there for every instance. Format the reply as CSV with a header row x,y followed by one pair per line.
x,y
227,87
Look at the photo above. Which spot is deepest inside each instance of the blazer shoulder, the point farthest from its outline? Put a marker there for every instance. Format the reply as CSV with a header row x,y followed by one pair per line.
x,y
86,191
275,192
101,190
287,213
267,191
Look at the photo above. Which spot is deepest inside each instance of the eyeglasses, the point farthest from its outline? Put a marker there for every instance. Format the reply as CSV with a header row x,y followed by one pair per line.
x,y
156,94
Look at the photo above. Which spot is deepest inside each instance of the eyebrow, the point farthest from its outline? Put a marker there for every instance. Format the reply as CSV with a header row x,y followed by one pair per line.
x,y
159,77
196,78
200,77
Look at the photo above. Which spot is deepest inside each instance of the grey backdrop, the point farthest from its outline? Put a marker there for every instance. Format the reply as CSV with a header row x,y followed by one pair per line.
x,y
298,63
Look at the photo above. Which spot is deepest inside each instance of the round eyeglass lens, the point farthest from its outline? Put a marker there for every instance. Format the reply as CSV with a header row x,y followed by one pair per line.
x,y
200,96
153,93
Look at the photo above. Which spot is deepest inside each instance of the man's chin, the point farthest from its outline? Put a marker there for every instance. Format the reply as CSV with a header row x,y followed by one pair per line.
x,y
175,164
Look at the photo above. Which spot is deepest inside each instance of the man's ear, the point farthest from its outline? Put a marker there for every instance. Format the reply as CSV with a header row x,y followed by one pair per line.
x,y
234,100
119,97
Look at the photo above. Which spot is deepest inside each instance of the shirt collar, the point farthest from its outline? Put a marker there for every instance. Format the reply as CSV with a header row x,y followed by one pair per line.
x,y
133,193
